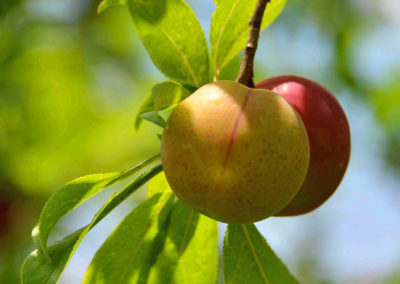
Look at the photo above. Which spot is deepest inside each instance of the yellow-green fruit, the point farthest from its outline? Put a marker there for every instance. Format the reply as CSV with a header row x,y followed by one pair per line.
x,y
235,154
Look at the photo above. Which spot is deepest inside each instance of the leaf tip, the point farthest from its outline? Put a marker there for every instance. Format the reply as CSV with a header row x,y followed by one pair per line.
x,y
102,6
38,241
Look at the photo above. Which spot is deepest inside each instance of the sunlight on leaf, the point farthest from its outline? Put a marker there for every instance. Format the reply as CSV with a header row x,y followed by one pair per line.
x,y
109,3
230,27
190,254
158,184
173,37
128,253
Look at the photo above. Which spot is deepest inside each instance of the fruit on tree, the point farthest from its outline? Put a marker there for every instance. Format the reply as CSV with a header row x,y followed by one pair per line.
x,y
235,154
329,135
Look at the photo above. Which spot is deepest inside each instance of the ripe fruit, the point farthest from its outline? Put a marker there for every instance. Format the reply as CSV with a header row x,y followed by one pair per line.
x,y
329,135
236,154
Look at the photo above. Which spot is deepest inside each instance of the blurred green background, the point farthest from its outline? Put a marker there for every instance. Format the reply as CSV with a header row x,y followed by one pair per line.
x,y
71,82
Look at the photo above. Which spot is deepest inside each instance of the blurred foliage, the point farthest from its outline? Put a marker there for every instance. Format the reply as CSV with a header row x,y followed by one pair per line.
x,y
344,21
68,98
71,82
69,92
7,5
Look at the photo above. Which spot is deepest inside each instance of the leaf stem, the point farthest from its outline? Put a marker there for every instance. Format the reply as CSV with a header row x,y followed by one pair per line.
x,y
246,72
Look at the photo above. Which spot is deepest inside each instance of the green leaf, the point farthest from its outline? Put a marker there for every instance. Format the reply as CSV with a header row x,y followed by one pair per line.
x,y
168,94
230,27
158,184
73,194
163,96
173,37
190,254
128,253
249,259
154,117
37,267
108,3
146,106
67,198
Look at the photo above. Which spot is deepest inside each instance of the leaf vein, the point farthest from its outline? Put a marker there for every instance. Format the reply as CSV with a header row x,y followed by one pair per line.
x,y
186,232
177,47
185,59
220,35
262,272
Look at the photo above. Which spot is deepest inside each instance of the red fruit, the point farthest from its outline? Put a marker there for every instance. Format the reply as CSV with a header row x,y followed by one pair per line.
x,y
329,136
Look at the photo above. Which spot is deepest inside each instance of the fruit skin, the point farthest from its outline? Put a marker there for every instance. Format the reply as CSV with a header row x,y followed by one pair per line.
x,y
329,135
235,154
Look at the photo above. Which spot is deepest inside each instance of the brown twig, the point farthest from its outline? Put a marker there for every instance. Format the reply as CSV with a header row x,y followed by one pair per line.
x,y
245,76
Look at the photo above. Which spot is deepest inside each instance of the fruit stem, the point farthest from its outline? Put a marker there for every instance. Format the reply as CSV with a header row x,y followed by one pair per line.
x,y
246,72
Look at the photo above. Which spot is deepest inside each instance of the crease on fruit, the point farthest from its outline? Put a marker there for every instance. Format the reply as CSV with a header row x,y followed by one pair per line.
x,y
235,129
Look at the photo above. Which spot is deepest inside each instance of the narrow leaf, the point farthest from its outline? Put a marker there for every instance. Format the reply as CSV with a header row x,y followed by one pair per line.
x,y
163,96
249,259
108,3
173,37
75,193
128,253
230,27
190,254
37,267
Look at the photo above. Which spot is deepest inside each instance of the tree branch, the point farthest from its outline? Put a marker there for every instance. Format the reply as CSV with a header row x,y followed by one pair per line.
x,y
246,73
